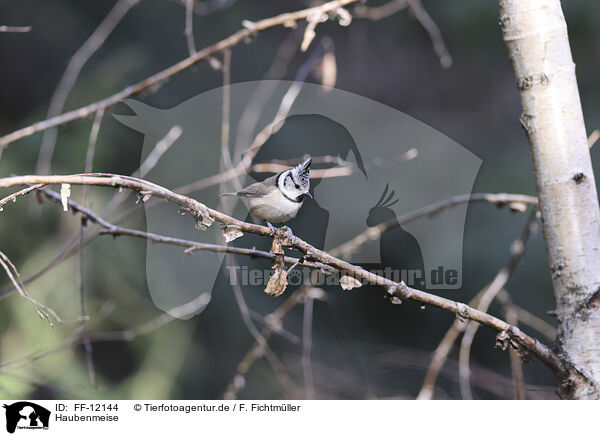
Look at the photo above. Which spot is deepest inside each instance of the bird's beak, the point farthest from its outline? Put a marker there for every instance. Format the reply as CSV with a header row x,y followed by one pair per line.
x,y
308,194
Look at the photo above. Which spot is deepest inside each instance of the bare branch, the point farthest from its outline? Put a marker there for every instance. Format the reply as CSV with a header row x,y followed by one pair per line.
x,y
439,46
13,197
392,7
231,173
483,378
517,251
12,273
191,6
273,324
161,148
307,371
160,77
443,349
262,348
205,216
89,156
249,118
89,161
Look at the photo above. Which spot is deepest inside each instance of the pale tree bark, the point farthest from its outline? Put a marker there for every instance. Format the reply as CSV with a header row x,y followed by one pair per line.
x,y
535,33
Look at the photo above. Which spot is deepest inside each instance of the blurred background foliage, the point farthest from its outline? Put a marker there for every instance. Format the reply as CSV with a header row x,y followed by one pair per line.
x,y
363,346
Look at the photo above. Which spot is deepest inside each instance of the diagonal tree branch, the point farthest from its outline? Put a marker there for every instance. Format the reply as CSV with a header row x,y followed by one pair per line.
x,y
204,215
251,28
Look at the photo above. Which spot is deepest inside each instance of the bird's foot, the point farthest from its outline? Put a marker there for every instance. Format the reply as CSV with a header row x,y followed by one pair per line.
x,y
290,234
280,230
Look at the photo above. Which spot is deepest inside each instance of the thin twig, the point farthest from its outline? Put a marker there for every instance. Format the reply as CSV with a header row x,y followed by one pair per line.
x,y
263,349
189,26
483,378
203,8
535,322
273,324
13,274
309,386
89,162
376,13
439,46
64,252
13,197
161,147
517,252
225,112
67,81
285,334
277,70
158,151
440,355
593,138
510,313
191,6
416,7
87,344
91,149
15,29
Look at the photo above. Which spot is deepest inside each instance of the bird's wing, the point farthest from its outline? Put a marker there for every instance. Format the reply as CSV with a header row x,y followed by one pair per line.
x,y
259,189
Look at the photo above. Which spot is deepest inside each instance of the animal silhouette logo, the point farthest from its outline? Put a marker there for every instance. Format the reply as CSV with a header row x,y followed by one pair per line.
x,y
383,146
399,250
26,415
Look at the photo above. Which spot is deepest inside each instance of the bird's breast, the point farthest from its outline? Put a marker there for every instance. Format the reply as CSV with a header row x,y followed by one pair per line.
x,y
274,207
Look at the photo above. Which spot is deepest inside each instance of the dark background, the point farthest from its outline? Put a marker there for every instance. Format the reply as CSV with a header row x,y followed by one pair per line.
x,y
362,345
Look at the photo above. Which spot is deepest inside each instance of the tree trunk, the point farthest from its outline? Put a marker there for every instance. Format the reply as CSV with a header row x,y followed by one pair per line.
x,y
535,34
